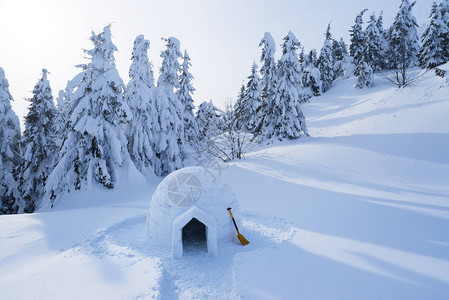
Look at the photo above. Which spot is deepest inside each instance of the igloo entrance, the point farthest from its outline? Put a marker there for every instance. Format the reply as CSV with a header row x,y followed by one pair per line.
x,y
205,219
194,236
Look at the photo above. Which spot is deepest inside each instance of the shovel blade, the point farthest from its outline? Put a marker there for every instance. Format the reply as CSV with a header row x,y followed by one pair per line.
x,y
242,239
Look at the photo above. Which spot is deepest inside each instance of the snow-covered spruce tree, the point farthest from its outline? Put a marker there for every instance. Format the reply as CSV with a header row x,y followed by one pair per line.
x,y
374,45
238,106
268,75
184,94
403,45
285,119
169,112
432,52
326,62
94,152
365,75
139,96
311,76
40,145
444,9
249,114
208,120
9,151
357,46
340,53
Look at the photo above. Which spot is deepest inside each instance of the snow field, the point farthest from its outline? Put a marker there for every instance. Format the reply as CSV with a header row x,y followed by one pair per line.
x,y
357,211
367,197
108,256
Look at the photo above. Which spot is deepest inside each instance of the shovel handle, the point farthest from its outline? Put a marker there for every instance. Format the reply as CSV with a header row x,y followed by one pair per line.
x,y
232,217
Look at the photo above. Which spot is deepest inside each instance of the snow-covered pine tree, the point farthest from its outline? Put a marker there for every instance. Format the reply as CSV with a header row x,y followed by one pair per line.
x,y
268,72
374,45
403,43
141,67
337,53
139,96
285,119
208,120
40,144
301,58
348,67
432,52
311,76
184,94
95,151
61,117
357,46
314,81
384,47
313,57
339,49
365,75
328,34
338,56
169,110
326,62
9,151
248,113
380,24
444,7
343,47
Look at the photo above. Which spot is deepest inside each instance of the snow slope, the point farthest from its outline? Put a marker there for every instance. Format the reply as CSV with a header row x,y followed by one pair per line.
x,y
360,210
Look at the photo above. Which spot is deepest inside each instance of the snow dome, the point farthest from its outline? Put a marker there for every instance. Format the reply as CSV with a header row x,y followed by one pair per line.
x,y
189,210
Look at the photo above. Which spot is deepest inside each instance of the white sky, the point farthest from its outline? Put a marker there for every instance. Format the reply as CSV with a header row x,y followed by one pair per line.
x,y
221,37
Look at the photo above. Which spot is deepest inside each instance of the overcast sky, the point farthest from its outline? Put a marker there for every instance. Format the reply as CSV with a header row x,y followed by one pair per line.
x,y
221,37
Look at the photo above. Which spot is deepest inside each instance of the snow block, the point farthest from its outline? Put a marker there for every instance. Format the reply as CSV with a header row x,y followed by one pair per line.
x,y
189,193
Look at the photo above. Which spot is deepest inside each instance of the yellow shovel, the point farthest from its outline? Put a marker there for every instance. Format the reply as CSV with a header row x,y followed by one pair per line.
x,y
239,236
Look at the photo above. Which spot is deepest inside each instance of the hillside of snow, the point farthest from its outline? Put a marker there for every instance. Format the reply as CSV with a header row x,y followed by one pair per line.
x,y
360,210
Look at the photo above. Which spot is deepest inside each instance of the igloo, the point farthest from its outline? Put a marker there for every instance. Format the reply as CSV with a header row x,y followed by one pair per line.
x,y
190,205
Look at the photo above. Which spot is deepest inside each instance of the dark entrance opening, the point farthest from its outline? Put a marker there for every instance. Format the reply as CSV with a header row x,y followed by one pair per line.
x,y
194,236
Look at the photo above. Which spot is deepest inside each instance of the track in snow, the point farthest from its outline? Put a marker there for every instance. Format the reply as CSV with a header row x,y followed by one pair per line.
x,y
196,275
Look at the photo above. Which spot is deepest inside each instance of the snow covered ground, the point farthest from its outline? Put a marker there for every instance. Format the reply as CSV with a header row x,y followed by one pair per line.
x,y
360,210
